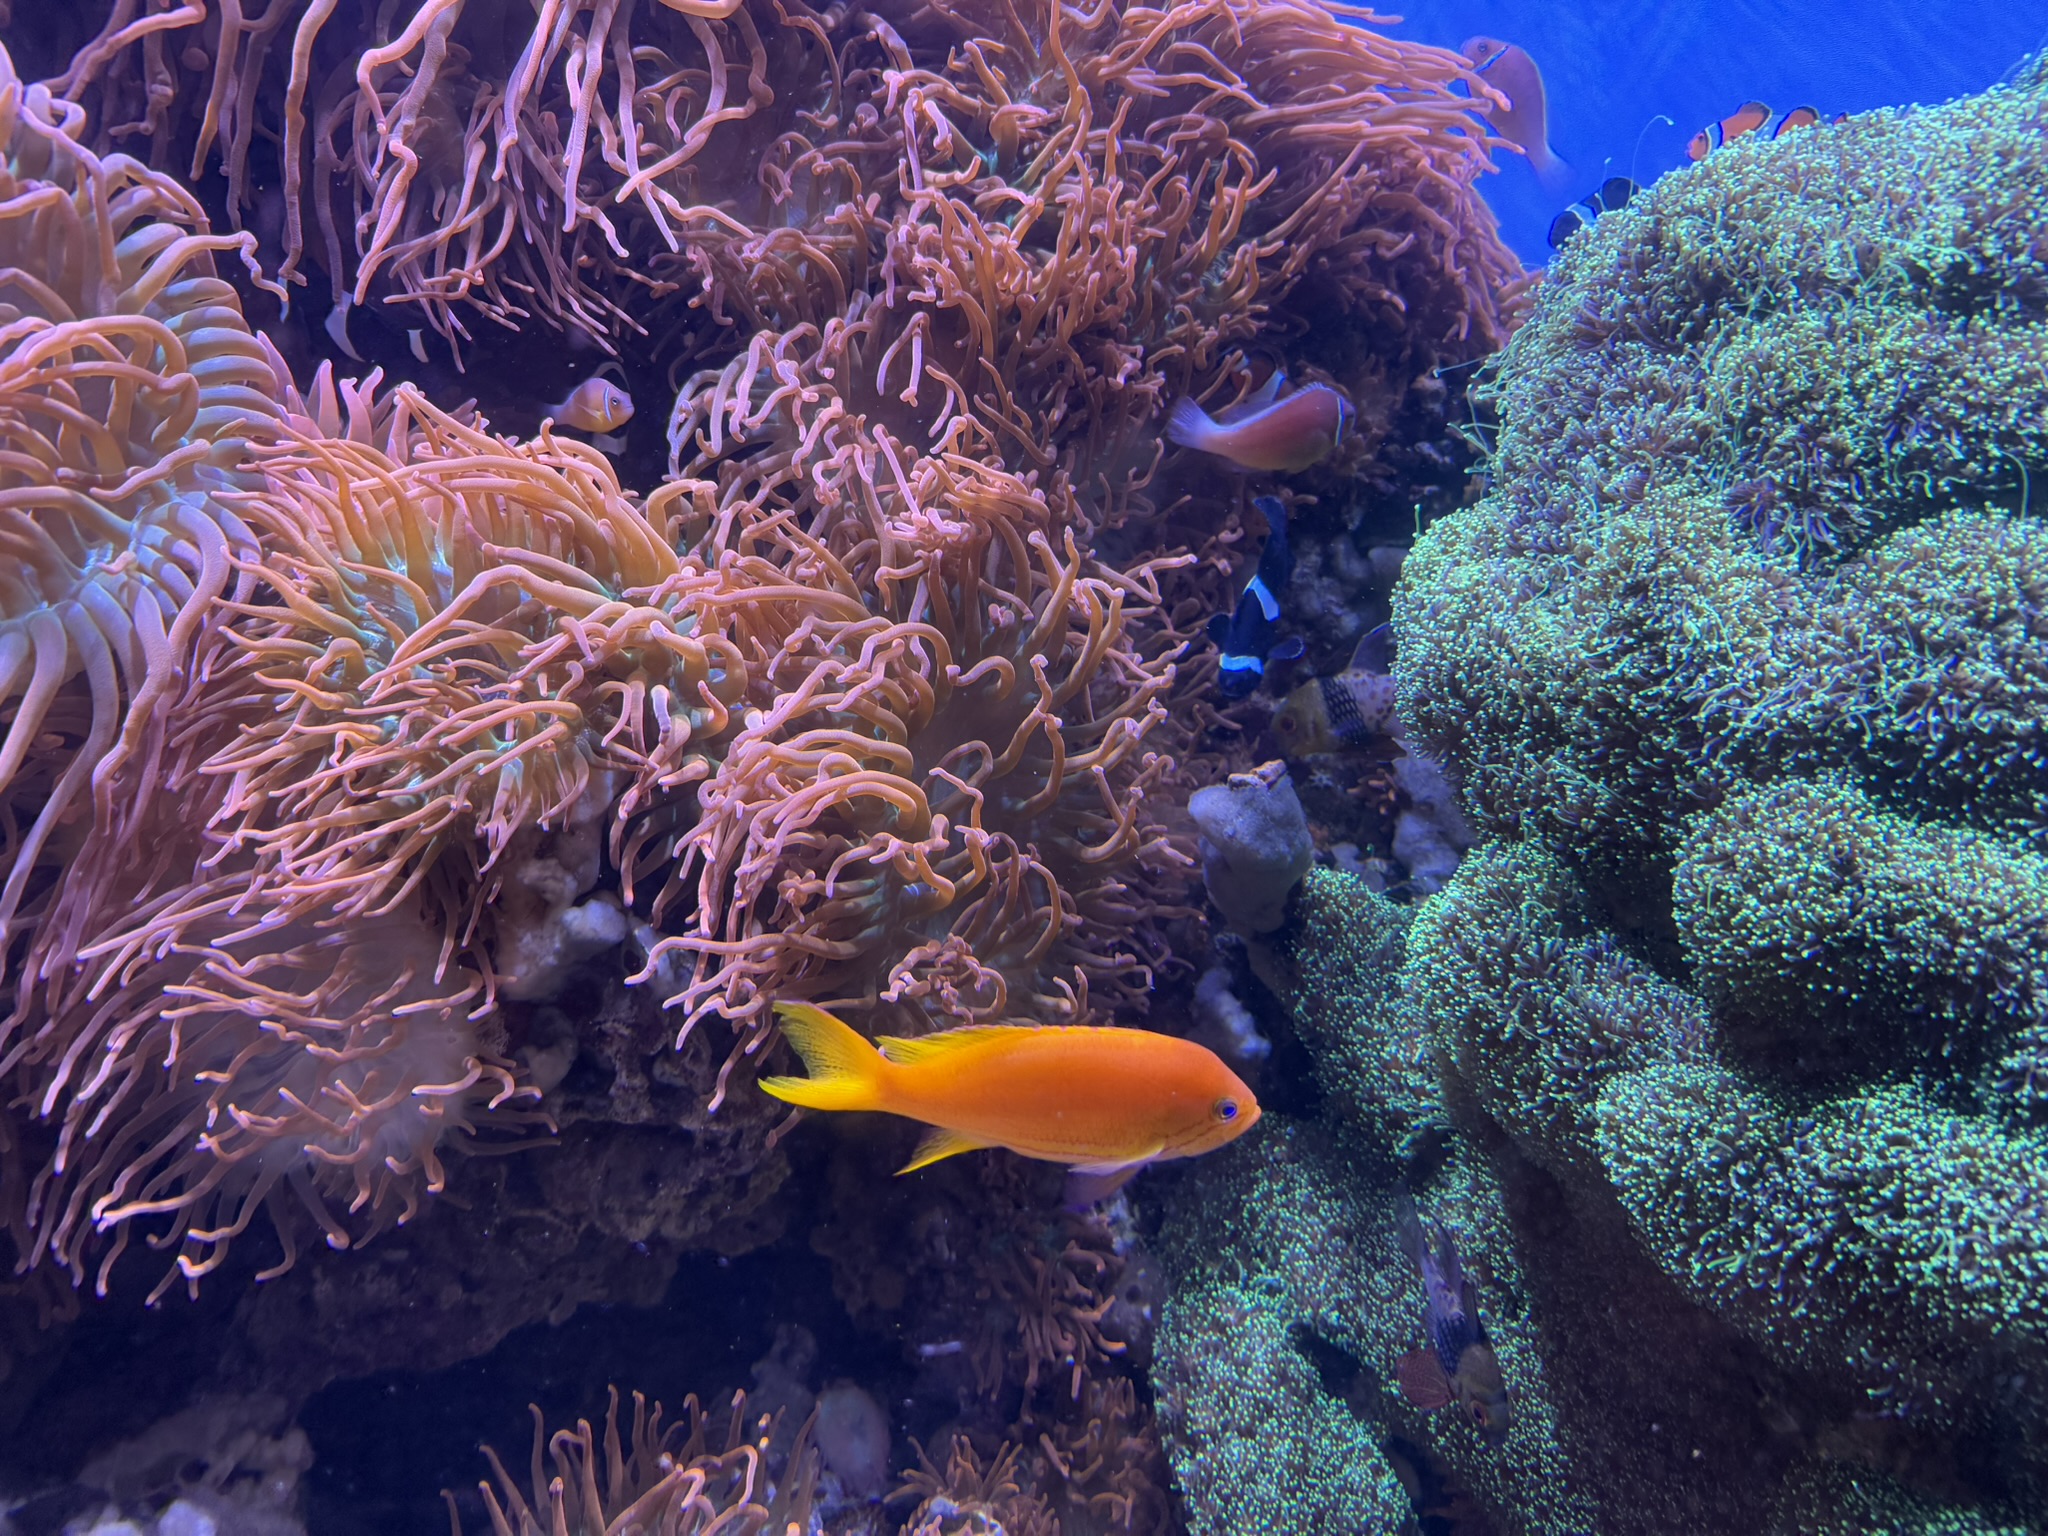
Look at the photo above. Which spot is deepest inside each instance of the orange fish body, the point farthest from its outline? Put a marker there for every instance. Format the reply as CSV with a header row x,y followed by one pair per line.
x,y
1745,119
1525,120
595,405
1100,1100
1282,435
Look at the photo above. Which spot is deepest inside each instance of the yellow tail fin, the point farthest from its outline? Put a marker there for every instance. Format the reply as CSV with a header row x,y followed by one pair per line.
x,y
846,1069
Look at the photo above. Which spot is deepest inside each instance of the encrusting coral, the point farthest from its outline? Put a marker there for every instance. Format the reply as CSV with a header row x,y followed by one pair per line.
x,y
1804,534
1721,1062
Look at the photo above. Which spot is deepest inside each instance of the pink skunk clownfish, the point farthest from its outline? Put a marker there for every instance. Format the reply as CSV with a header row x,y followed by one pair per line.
x,y
1525,120
595,405
1103,1101
1266,430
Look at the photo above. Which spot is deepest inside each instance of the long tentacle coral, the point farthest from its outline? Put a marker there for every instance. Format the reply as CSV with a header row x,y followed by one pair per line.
x,y
435,158
126,384
939,786
435,656
873,697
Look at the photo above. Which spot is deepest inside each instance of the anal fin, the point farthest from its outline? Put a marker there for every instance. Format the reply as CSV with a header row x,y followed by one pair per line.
x,y
1123,1165
939,1143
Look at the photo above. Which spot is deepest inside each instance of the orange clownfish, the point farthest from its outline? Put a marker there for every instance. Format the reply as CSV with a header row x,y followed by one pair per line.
x,y
1266,430
595,405
1104,1101
1747,119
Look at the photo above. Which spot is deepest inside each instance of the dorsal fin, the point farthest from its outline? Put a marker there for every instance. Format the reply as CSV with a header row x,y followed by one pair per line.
x,y
908,1052
1264,395
1374,652
1469,1295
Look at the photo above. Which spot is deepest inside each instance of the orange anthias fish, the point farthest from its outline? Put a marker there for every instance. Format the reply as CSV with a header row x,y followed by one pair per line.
x,y
1525,120
1267,430
595,405
1103,1101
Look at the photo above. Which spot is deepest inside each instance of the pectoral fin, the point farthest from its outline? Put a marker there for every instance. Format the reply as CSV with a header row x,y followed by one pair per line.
x,y
1422,1379
1124,1165
1085,1189
940,1143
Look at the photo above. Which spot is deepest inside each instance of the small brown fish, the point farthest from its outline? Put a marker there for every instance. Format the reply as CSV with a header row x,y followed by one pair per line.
x,y
1350,712
595,405
1270,431
1525,120
1458,1364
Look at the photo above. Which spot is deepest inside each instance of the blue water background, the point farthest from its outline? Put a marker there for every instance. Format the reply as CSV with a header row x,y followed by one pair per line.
x,y
1612,66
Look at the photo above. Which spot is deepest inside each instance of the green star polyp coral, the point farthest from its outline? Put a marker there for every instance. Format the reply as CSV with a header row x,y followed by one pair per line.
x,y
1766,497
1747,652
1724,1061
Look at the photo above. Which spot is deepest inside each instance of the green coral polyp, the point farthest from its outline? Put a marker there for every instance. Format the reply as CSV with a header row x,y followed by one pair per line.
x,y
1732,1049
1906,1238
1810,909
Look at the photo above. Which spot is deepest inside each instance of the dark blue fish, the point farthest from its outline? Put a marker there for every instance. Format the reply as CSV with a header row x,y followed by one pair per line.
x,y
1614,194
1246,636
1458,1366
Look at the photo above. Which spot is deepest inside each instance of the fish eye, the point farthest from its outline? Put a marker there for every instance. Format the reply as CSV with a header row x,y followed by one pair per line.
x,y
1226,1109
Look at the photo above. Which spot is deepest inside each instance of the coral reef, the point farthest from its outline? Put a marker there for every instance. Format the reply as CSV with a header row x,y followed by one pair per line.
x,y
1719,1063
452,162
1758,566
968,1497
355,752
1100,1473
